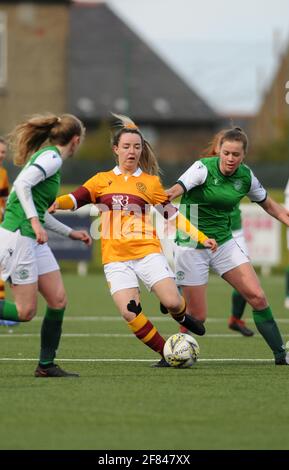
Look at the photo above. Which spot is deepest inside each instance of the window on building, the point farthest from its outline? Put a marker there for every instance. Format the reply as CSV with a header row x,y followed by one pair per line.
x,y
3,49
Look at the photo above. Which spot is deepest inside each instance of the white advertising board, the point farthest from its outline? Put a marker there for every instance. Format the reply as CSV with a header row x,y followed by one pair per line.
x,y
263,235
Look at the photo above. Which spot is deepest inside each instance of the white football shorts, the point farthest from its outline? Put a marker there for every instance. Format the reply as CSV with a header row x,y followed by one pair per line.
x,y
22,259
125,274
193,265
239,238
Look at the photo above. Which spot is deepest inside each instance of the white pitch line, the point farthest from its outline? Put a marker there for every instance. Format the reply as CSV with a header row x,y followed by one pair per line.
x,y
118,335
158,318
7,359
69,335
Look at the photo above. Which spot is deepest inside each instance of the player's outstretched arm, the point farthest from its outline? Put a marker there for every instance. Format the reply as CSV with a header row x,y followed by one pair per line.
x,y
65,231
185,225
81,235
276,210
78,198
175,191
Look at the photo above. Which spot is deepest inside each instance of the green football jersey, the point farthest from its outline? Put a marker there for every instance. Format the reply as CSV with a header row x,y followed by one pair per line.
x,y
236,218
49,161
215,196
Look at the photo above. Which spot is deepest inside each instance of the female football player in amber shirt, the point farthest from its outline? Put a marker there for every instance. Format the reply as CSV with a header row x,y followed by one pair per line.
x,y
130,246
4,189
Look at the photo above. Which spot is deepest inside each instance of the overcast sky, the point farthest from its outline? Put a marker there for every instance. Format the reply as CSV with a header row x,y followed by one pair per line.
x,y
226,50
207,20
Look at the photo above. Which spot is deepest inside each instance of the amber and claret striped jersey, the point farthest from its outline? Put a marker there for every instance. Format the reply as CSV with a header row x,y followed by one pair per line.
x,y
4,190
125,201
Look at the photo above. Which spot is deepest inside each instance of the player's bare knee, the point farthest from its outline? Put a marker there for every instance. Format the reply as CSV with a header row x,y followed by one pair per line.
x,y
59,301
173,304
127,316
258,300
26,313
132,309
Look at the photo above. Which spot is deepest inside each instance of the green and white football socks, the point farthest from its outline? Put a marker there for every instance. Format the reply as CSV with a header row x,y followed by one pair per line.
x,y
268,328
8,311
238,304
50,335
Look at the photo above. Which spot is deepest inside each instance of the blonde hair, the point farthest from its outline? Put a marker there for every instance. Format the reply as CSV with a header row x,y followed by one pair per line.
x,y
148,161
29,136
213,147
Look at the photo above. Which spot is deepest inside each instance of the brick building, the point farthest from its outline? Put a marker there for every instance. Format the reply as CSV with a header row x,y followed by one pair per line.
x,y
273,116
33,59
60,56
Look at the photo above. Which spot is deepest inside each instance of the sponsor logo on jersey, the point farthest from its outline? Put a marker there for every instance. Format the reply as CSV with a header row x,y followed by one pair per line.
x,y
141,187
119,201
216,181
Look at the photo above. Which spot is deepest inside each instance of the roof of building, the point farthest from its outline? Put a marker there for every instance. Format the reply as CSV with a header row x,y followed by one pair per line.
x,y
39,2
112,69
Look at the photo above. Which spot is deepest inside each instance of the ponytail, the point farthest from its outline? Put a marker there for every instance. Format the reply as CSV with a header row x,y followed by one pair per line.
x,y
213,147
29,136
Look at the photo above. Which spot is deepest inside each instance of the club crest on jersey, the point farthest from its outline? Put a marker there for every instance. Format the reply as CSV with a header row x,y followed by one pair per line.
x,y
238,185
180,275
141,187
119,201
23,274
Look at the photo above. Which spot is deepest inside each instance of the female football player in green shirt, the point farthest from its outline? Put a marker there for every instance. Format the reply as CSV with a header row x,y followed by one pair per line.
x,y
40,145
4,190
216,185
238,302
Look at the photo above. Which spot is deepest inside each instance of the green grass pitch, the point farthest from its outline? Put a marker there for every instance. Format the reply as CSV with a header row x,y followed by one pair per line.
x,y
233,398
